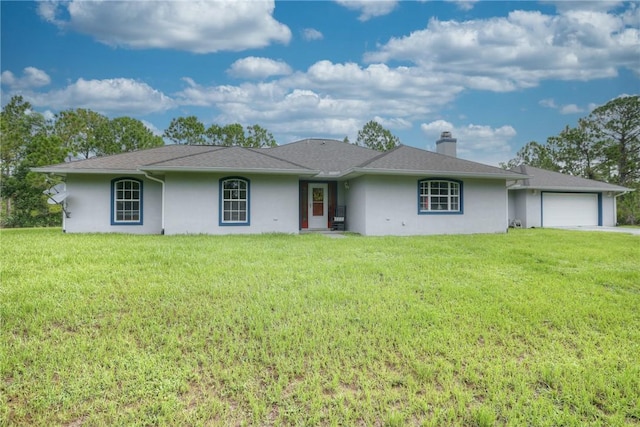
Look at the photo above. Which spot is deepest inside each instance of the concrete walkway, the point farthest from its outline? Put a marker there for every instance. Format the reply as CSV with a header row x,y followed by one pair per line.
x,y
628,230
325,232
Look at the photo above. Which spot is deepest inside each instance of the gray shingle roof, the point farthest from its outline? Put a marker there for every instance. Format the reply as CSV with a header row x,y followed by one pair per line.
x,y
309,157
228,158
129,161
182,157
330,156
409,160
541,179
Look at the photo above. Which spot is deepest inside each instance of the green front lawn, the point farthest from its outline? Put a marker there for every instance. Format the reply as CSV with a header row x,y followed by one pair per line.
x,y
533,327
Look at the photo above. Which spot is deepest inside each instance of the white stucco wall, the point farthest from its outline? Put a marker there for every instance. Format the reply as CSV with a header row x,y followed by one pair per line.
x,y
391,208
532,209
609,214
89,204
192,204
355,200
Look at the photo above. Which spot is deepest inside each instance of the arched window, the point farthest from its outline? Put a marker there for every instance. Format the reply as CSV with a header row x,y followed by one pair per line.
x,y
234,201
126,201
439,196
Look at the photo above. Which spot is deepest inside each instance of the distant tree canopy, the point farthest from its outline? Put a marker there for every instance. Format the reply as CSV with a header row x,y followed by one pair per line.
x,y
190,131
85,133
604,146
127,134
373,135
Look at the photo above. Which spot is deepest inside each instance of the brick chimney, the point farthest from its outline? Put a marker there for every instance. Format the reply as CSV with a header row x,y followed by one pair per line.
x,y
446,144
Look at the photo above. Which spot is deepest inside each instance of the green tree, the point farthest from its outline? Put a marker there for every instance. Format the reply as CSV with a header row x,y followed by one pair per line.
x,y
186,130
577,152
18,123
258,137
234,134
129,134
373,135
214,135
28,140
615,128
533,154
84,133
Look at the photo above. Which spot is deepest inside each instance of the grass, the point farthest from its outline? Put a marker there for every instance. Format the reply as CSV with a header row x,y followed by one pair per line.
x,y
533,327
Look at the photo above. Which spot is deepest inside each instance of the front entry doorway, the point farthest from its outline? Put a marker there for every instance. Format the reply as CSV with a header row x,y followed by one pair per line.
x,y
318,205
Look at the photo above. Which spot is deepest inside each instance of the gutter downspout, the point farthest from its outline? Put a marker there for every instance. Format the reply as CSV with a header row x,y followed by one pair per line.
x,y
615,204
146,174
64,211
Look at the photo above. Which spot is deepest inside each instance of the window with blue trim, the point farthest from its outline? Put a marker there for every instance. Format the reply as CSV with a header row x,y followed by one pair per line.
x,y
126,201
234,203
439,196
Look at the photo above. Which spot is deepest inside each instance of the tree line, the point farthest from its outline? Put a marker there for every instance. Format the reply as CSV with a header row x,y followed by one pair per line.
x,y
604,146
190,130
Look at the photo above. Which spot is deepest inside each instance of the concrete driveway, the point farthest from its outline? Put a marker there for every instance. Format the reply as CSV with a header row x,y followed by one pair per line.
x,y
627,230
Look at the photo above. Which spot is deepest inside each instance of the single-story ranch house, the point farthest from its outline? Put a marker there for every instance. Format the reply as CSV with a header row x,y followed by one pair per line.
x,y
177,189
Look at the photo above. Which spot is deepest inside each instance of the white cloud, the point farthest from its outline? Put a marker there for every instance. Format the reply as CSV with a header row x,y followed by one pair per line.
x,y
312,34
475,142
109,95
337,99
369,8
194,26
346,95
548,103
520,50
564,109
258,68
465,5
393,123
31,78
571,109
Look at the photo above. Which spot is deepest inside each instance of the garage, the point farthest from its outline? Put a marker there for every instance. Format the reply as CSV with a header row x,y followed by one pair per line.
x,y
569,209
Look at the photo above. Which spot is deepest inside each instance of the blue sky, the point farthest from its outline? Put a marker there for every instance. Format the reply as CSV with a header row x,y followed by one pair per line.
x,y
496,74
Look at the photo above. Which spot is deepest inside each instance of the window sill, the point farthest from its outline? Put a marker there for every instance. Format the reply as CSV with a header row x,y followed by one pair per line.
x,y
440,213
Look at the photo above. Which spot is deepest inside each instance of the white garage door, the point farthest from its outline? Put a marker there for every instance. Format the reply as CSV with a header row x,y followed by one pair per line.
x,y
569,209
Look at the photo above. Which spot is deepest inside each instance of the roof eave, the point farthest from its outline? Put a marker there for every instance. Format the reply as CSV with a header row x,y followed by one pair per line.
x,y
572,189
66,171
354,172
260,171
